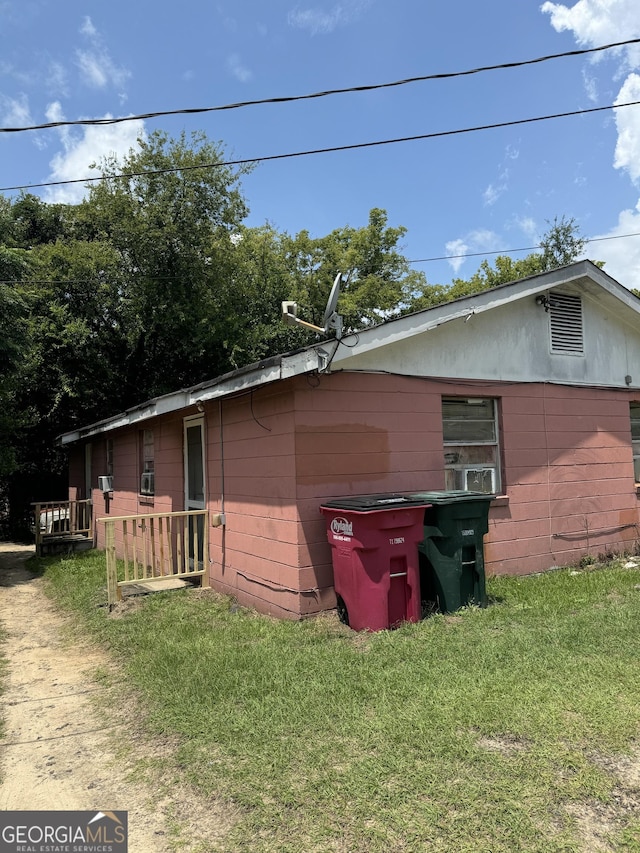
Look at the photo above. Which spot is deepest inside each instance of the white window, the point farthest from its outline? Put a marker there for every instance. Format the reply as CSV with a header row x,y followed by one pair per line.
x,y
471,450
634,409
147,484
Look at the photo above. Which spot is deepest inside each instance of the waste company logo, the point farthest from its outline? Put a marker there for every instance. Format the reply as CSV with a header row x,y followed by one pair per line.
x,y
63,832
341,527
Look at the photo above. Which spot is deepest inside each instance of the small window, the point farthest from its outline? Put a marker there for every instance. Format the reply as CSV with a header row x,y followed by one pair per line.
x,y
147,484
471,451
109,457
635,438
565,319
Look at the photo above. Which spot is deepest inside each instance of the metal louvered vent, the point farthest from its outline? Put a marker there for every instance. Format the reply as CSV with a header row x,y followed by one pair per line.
x,y
565,318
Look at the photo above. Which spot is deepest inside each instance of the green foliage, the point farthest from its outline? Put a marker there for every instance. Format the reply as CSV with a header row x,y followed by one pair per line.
x,y
12,350
380,280
167,229
562,244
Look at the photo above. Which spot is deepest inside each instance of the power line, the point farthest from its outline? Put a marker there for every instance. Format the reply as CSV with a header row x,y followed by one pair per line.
x,y
416,261
510,251
98,122
333,149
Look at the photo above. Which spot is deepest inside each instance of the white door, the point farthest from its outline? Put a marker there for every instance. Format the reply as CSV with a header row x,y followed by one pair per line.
x,y
194,483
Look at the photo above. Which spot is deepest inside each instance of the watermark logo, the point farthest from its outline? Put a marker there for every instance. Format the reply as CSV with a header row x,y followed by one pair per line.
x,y
63,832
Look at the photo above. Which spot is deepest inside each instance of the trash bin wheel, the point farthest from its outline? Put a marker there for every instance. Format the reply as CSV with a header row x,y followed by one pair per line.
x,y
343,613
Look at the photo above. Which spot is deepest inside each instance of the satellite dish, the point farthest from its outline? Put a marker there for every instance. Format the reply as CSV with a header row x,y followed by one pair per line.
x,y
330,310
331,320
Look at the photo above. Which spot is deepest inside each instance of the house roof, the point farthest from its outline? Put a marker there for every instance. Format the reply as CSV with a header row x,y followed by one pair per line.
x,y
332,355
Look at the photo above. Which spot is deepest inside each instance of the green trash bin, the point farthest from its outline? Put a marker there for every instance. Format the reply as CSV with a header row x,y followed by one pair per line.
x,y
452,552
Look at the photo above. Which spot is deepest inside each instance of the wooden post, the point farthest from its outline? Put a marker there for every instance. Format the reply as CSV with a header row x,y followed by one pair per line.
x,y
113,592
205,551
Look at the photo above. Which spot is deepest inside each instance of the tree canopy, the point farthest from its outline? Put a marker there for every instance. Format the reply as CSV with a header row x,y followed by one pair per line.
x,y
154,282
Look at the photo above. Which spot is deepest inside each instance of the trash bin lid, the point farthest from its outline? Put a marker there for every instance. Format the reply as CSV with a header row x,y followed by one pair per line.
x,y
369,503
449,497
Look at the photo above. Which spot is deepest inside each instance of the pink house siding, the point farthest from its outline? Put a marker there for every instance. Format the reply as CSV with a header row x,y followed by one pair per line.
x,y
286,448
567,473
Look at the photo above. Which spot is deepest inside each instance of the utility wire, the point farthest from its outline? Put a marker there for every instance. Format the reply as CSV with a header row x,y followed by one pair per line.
x,y
288,99
416,261
352,147
509,251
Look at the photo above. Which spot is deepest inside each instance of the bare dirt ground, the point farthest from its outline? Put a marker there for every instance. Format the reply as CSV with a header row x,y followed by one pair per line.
x,y
58,752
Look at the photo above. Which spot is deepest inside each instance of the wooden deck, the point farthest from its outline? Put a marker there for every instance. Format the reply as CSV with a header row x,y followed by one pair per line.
x,y
61,526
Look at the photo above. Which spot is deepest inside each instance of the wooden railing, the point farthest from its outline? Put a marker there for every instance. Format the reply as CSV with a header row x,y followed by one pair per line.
x,y
62,520
154,547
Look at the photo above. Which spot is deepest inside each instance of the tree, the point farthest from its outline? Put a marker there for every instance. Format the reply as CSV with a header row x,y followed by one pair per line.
x,y
380,279
166,210
562,244
12,350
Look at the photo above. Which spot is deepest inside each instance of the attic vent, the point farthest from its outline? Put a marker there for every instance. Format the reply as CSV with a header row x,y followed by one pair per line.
x,y
565,318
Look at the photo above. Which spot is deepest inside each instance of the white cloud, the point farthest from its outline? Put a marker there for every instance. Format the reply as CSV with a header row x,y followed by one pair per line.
x,y
237,69
627,153
80,152
454,248
621,257
596,22
96,66
321,22
88,29
14,112
590,86
480,240
493,193
528,227
57,79
98,69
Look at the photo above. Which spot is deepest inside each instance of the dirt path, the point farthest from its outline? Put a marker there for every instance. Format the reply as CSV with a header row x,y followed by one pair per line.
x,y
56,752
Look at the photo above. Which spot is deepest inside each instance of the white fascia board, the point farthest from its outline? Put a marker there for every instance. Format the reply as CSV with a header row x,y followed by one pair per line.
x,y
235,383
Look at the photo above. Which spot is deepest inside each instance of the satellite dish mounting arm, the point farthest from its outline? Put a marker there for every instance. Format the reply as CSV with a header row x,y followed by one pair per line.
x,y
332,320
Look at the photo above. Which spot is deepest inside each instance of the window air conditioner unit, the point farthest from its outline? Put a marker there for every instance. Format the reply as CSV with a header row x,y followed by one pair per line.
x,y
147,484
480,480
105,484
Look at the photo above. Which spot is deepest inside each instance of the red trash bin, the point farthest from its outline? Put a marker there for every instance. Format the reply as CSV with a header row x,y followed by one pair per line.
x,y
374,544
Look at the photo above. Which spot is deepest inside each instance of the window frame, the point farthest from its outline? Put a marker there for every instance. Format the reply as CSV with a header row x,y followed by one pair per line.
x,y
635,442
146,455
466,467
108,455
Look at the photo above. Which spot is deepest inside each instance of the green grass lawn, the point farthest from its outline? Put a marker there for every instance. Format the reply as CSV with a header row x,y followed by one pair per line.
x,y
510,728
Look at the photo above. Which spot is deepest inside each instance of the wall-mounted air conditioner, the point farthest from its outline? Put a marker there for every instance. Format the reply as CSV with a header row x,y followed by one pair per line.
x,y
147,486
105,484
480,480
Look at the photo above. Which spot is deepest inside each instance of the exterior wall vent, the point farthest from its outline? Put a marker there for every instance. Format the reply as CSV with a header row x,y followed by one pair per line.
x,y
565,320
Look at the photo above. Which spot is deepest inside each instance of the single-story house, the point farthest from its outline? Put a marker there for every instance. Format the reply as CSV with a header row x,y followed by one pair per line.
x,y
530,391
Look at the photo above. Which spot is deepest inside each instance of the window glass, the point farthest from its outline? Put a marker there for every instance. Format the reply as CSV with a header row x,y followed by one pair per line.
x,y
109,457
471,452
147,450
147,481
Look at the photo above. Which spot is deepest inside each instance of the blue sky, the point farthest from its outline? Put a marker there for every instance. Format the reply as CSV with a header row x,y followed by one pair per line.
x,y
474,192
